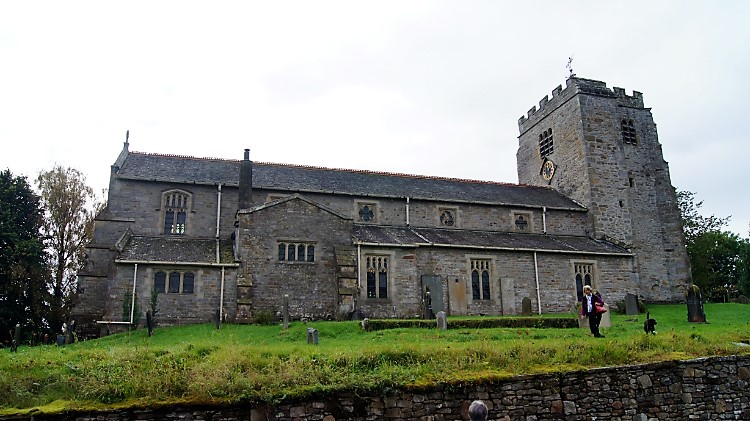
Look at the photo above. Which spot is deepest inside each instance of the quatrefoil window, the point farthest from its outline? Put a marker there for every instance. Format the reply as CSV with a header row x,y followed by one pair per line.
x,y
366,213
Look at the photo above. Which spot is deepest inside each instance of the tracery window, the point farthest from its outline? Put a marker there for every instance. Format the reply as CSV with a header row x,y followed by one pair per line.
x,y
377,276
522,222
447,217
584,273
296,251
176,206
628,131
366,212
546,145
480,279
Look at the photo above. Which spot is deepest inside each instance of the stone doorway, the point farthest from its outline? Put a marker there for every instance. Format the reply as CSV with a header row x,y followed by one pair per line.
x,y
432,295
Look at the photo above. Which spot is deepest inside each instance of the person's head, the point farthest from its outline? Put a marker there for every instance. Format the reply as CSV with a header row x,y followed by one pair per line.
x,y
478,411
587,289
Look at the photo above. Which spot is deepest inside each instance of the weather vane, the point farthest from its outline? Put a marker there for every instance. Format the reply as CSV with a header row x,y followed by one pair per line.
x,y
569,66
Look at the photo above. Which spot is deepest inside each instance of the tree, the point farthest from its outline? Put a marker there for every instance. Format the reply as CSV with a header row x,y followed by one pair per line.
x,y
693,223
720,260
69,206
23,273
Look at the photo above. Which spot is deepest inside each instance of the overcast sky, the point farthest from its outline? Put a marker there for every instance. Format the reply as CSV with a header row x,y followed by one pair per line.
x,y
419,87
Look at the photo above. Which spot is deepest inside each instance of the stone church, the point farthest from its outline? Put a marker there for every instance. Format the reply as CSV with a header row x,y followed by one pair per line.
x,y
231,238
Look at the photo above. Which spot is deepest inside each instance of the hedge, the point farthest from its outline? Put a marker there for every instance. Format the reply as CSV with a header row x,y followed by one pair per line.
x,y
483,323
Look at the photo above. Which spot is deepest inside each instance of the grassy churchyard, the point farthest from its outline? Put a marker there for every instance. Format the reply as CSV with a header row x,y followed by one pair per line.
x,y
200,364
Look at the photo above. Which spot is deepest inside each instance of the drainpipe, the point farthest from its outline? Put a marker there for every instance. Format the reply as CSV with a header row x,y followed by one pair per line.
x,y
218,219
132,301
536,275
407,211
359,268
221,297
544,219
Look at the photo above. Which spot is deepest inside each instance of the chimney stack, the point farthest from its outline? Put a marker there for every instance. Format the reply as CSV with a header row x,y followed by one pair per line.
x,y
246,182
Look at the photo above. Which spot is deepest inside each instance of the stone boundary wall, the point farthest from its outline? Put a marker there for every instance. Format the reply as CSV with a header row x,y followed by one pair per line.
x,y
713,388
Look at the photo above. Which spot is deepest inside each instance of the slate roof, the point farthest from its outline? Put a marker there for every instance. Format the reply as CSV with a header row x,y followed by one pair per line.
x,y
418,236
296,178
175,249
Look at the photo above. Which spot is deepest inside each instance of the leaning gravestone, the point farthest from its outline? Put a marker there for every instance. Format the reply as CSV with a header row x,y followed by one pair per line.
x,y
285,311
631,305
695,305
526,306
442,321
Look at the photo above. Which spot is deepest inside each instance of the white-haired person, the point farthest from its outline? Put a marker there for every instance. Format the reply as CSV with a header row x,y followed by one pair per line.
x,y
478,411
589,303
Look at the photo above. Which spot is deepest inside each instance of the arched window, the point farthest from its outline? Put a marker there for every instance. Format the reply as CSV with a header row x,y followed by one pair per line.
x,y
546,145
480,279
176,207
377,276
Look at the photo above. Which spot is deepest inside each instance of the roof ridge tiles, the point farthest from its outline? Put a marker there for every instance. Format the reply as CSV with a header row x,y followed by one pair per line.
x,y
349,170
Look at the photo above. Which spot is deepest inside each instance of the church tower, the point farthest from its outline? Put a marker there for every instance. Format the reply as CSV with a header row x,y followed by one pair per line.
x,y
599,146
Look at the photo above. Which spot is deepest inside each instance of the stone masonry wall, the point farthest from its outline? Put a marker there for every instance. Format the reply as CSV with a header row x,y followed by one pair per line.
x,y
611,276
701,389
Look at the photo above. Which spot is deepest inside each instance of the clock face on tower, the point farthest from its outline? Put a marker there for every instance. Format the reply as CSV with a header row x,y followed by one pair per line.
x,y
548,170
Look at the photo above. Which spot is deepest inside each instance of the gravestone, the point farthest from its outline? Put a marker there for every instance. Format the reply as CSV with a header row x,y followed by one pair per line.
x,y
16,339
312,336
606,322
442,321
695,305
285,311
526,306
428,305
150,323
631,305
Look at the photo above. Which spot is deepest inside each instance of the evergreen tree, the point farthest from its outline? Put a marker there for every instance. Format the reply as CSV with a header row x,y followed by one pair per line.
x,y
24,298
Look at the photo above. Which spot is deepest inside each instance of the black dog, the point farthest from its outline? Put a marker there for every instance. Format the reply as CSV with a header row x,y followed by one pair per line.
x,y
649,326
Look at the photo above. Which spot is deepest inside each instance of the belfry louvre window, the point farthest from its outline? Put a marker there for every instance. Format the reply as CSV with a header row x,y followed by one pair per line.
x,y
546,145
584,276
175,212
628,131
377,276
296,252
480,279
174,282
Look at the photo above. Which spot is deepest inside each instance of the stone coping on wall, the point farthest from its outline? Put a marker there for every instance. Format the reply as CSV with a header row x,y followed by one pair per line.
x,y
712,388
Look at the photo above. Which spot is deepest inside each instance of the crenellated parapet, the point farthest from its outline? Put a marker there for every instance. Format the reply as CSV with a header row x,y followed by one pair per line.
x,y
574,86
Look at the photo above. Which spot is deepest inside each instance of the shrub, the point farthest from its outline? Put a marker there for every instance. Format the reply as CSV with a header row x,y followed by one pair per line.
x,y
263,317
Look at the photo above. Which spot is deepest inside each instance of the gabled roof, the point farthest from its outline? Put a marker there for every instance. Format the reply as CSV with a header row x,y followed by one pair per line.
x,y
377,235
306,179
174,249
293,197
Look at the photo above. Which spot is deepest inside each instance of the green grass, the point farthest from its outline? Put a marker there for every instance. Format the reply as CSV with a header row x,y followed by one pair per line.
x,y
199,364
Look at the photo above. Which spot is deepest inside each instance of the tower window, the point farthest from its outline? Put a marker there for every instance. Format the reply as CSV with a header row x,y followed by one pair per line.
x,y
628,131
546,146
